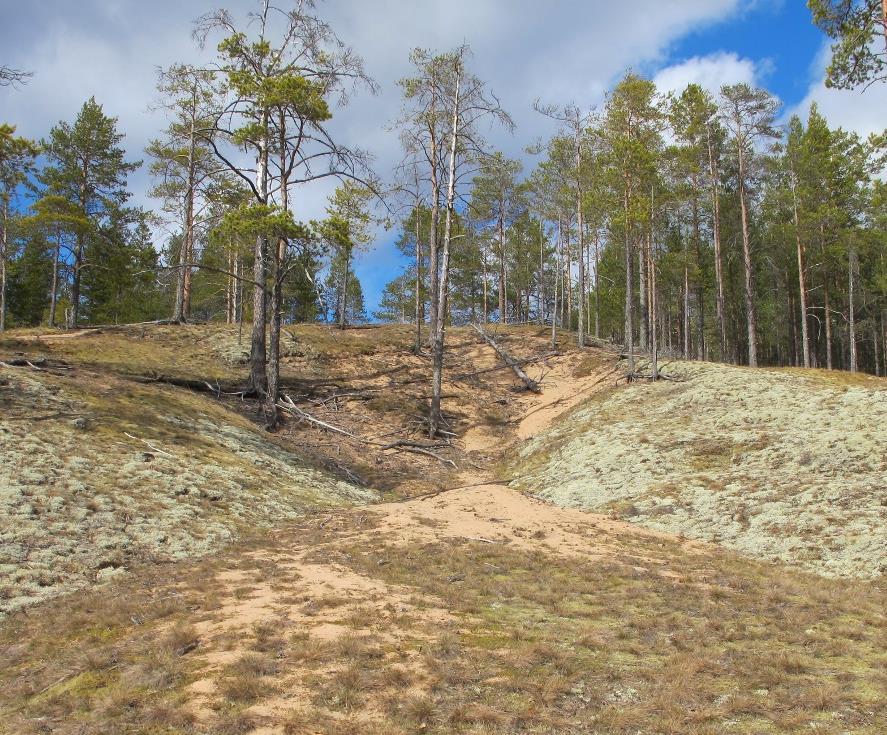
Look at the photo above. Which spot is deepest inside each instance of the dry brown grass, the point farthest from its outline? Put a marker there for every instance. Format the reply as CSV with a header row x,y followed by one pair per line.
x,y
457,635
539,644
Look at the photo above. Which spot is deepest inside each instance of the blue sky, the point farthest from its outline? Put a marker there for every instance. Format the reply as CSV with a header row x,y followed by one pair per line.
x,y
778,37
560,51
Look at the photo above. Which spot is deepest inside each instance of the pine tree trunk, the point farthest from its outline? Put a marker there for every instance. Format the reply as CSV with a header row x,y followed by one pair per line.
x,y
581,236
802,288
419,317
554,311
597,290
854,364
644,320
716,236
568,281
629,295
344,299
433,255
230,289
274,336
789,318
540,293
686,321
238,289
486,282
277,278
503,295
749,272
3,242
883,337
74,313
828,329
654,336
700,291
53,296
258,354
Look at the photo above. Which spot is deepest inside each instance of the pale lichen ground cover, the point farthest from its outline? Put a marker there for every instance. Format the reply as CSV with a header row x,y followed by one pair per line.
x,y
780,465
97,474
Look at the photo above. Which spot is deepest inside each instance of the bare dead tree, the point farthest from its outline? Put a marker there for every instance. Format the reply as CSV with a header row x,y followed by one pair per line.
x,y
10,77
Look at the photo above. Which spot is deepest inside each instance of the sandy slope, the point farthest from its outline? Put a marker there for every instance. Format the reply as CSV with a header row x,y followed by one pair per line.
x,y
478,608
479,510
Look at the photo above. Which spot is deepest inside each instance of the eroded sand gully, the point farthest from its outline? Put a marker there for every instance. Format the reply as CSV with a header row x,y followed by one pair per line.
x,y
305,578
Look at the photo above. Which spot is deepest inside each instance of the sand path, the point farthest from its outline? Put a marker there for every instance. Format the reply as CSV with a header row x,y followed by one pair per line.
x,y
479,510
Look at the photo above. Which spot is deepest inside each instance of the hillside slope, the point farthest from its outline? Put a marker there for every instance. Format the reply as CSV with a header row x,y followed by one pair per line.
x,y
471,609
103,466
98,474
777,464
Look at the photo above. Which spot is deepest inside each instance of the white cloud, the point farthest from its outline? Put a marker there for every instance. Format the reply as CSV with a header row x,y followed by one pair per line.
x,y
855,110
570,50
710,72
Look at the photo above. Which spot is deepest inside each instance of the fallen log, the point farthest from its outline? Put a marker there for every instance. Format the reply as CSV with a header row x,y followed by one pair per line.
x,y
531,384
405,447
201,386
288,405
40,364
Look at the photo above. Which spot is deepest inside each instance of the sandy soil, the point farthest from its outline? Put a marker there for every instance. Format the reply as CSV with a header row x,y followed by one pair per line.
x,y
478,509
319,582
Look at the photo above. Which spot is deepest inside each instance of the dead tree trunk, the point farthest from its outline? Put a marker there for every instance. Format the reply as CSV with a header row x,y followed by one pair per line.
x,y
418,346
510,361
436,417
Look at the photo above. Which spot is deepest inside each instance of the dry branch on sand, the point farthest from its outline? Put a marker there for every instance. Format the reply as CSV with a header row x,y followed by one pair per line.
x,y
404,445
531,384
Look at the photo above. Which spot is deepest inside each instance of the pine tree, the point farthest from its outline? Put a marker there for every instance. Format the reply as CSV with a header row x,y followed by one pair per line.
x,y
496,200
749,115
632,131
274,95
16,165
859,29
183,165
87,168
346,230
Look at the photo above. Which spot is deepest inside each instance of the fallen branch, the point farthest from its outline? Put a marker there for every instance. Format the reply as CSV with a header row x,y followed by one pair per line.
x,y
147,443
531,384
525,361
288,405
201,386
407,445
427,496
416,444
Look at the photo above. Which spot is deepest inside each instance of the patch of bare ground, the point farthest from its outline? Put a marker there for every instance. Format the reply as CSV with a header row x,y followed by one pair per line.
x,y
468,608
476,611
100,470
